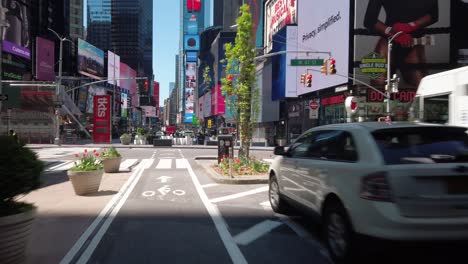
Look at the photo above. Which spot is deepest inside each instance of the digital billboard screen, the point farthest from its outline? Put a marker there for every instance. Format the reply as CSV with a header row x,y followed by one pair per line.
x,y
45,59
16,37
193,5
191,42
90,60
190,85
278,14
113,68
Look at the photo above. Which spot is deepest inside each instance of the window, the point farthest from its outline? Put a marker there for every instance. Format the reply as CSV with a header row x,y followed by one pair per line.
x,y
300,147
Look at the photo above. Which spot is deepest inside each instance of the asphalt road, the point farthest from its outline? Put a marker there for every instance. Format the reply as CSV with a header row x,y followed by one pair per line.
x,y
172,212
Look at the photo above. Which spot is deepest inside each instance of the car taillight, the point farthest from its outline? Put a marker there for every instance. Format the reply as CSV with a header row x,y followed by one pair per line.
x,y
375,187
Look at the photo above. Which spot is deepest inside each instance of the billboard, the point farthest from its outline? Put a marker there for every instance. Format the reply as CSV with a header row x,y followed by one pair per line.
x,y
129,84
113,67
45,59
192,26
191,42
278,14
124,99
82,98
193,5
323,29
156,96
426,47
207,104
190,86
191,56
90,60
102,119
16,37
150,111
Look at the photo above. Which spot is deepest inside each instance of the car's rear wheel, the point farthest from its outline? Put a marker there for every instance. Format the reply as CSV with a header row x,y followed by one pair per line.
x,y
278,204
338,232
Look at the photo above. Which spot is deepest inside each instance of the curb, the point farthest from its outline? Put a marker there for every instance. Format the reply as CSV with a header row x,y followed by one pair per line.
x,y
43,146
206,158
225,180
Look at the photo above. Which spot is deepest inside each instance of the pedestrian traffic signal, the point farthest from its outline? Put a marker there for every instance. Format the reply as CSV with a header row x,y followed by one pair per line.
x,y
324,68
303,79
309,80
332,67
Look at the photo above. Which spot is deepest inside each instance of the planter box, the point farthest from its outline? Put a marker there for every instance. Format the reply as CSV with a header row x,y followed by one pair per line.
x,y
111,165
125,140
85,182
14,235
162,142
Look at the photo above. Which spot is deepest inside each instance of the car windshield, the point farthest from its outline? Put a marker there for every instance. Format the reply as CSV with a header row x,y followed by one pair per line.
x,y
422,145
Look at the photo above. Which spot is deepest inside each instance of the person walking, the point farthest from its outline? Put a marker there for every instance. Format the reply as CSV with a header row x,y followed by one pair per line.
x,y
13,134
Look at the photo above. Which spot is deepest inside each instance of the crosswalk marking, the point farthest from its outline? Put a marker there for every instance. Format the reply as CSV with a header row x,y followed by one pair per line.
x,y
164,164
126,164
256,231
239,195
64,165
209,185
181,163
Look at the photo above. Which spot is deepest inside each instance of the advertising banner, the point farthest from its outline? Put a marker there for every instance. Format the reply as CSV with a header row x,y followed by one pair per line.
x,y
191,56
16,37
124,99
45,59
129,84
193,5
90,60
113,67
192,26
191,42
190,85
82,98
278,14
426,47
150,111
102,119
323,29
156,96
207,105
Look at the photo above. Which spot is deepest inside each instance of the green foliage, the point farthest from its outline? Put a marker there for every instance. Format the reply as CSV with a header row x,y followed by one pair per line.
x,y
125,135
238,86
20,172
140,131
206,77
110,153
88,161
243,166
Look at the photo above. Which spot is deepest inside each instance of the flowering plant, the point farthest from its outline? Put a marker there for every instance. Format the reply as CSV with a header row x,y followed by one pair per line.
x,y
243,166
110,153
88,161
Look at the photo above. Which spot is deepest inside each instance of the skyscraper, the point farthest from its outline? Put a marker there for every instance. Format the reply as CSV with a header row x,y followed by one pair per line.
x,y
99,23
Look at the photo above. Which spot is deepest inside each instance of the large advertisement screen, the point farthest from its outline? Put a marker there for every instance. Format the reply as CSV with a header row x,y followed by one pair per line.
x,y
90,60
278,14
193,5
323,29
113,68
124,99
191,42
190,86
45,59
16,37
129,84
418,51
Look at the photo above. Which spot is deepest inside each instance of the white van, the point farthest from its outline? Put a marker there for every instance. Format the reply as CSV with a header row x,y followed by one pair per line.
x,y
443,98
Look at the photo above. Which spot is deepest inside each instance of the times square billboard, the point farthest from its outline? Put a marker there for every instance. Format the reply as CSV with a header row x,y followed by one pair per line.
x,y
16,36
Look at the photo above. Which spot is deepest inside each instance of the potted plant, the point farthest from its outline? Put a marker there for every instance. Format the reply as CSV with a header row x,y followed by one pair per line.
x,y
125,139
86,174
20,172
139,138
111,159
149,138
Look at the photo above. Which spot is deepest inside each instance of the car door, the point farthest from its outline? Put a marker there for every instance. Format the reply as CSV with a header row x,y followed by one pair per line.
x,y
290,175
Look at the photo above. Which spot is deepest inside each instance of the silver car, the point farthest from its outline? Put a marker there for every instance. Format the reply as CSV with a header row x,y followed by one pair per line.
x,y
397,181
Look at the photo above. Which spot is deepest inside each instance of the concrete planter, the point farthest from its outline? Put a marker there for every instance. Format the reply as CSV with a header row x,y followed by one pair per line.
x,y
139,140
14,235
85,182
111,165
125,140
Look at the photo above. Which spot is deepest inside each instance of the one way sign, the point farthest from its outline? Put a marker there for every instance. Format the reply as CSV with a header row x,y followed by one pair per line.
x,y
3,97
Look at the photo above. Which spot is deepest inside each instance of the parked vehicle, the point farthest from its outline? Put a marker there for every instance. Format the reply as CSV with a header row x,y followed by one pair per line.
x,y
396,181
443,98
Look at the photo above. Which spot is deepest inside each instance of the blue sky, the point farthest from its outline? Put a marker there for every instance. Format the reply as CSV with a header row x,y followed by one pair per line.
x,y
166,14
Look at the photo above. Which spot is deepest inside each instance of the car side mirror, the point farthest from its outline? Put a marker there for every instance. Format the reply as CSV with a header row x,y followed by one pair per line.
x,y
279,151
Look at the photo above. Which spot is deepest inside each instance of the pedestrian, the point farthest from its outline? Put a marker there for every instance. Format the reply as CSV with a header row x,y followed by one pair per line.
x,y
14,135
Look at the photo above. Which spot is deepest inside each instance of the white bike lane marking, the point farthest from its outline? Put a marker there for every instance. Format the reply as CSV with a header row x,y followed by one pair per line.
x,y
221,226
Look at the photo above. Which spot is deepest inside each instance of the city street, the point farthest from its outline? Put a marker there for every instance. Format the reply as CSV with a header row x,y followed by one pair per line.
x,y
170,211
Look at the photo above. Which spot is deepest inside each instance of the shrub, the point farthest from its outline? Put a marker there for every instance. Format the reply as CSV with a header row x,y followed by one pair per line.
x,y
110,153
88,161
20,173
243,166
140,131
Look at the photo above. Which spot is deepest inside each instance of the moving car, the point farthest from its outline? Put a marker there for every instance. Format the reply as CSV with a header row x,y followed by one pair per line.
x,y
395,181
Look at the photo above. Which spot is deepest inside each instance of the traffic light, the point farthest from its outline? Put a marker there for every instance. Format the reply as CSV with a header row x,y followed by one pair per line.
x,y
209,123
332,67
303,79
309,80
146,86
324,68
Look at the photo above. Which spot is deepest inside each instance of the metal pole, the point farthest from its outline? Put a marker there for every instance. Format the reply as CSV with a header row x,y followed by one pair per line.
x,y
1,62
57,92
387,86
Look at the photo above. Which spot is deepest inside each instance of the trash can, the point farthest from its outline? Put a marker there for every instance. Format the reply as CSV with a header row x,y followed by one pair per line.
x,y
225,146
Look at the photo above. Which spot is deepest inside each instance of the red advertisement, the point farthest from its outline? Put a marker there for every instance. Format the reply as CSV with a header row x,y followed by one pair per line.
x,y
193,5
156,96
102,119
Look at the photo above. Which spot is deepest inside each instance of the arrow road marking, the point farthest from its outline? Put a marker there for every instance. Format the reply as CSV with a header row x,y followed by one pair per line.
x,y
164,190
164,179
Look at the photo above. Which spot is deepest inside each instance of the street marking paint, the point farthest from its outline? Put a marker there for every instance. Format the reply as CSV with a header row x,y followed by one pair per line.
x,y
255,232
181,163
239,195
209,185
164,190
233,249
266,205
164,179
179,192
84,258
148,193
72,253
127,164
59,166
164,164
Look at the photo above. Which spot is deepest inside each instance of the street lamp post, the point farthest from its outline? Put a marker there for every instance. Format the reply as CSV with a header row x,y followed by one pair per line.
x,y
387,86
57,89
3,24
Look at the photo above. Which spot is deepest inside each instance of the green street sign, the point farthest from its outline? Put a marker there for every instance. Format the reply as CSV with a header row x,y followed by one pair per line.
x,y
374,65
306,62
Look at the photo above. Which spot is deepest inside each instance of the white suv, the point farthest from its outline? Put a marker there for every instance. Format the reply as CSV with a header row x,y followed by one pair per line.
x,y
398,181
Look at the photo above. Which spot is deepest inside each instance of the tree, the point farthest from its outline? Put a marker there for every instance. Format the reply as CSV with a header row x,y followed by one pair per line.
x,y
238,86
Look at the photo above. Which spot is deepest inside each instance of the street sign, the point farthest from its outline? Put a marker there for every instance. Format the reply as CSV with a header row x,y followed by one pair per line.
x,y
306,62
3,97
314,105
374,65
